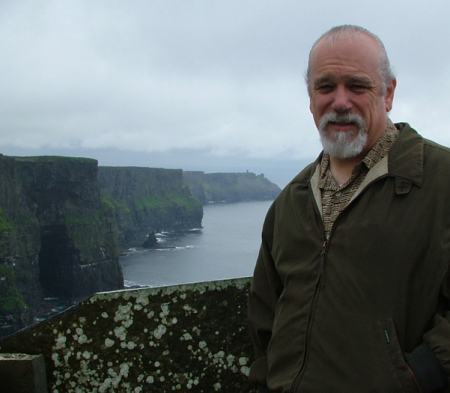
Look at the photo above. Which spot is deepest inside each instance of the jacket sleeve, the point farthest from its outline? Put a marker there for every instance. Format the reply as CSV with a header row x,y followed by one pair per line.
x,y
430,361
264,293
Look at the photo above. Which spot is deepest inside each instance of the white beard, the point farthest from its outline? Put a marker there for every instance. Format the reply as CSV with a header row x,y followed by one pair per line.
x,y
343,144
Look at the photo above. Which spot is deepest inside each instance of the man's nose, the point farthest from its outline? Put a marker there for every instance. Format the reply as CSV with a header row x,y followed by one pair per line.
x,y
341,100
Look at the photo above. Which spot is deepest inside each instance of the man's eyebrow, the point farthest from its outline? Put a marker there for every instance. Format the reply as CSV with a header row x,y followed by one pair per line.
x,y
349,79
359,80
323,79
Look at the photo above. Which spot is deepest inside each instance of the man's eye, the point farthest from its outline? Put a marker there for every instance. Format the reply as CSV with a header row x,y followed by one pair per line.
x,y
325,88
358,87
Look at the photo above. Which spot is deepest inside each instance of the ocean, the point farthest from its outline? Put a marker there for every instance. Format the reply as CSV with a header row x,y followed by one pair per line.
x,y
225,247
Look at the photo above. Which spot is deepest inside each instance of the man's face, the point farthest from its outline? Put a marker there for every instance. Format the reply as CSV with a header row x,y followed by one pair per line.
x,y
346,95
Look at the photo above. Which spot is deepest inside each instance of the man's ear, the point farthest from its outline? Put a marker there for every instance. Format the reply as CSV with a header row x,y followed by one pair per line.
x,y
389,94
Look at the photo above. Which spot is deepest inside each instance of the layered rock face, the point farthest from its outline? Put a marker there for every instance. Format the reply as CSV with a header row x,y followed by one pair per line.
x,y
57,237
147,200
20,243
230,187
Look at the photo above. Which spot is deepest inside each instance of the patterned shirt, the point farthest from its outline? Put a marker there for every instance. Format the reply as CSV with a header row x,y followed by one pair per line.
x,y
335,197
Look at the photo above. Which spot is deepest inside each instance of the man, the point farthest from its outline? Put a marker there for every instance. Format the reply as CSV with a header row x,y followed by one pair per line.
x,y
351,288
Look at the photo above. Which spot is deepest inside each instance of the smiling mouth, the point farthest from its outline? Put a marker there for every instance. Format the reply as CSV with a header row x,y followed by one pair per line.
x,y
342,123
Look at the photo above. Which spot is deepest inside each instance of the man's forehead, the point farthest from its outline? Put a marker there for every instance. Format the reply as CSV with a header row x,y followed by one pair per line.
x,y
355,55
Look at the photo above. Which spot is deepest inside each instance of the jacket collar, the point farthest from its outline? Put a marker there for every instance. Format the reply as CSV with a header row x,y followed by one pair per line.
x,y
407,155
405,159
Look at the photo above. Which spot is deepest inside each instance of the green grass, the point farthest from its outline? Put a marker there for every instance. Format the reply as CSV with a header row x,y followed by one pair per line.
x,y
10,297
4,224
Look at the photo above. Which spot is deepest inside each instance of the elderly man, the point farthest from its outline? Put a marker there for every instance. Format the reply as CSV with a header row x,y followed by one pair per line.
x,y
351,289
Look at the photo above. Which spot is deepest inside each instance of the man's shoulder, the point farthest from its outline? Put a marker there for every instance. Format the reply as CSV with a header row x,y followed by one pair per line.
x,y
417,157
431,146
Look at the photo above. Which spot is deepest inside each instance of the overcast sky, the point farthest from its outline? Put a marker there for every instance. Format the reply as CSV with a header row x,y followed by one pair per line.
x,y
199,85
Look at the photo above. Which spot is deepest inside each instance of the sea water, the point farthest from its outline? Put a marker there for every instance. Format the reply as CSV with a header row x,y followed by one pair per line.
x,y
225,247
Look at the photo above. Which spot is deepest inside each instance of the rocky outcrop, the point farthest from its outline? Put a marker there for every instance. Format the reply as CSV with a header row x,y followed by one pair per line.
x,y
57,237
148,200
230,187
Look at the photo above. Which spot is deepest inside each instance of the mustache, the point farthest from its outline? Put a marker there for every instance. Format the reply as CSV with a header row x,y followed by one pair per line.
x,y
341,118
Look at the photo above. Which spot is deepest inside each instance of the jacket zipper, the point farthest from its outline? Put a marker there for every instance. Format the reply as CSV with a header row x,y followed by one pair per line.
x,y
320,283
312,309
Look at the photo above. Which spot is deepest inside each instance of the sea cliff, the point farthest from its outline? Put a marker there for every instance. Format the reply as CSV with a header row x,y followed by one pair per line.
x,y
230,187
57,237
148,200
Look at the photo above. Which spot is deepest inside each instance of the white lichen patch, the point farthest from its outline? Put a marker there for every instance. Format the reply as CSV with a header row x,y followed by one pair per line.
x,y
60,342
131,345
56,361
120,332
189,310
109,343
142,298
230,360
186,337
124,369
159,331
82,339
123,312
245,370
164,312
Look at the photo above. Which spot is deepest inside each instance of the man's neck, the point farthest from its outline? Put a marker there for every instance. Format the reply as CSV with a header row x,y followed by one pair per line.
x,y
342,168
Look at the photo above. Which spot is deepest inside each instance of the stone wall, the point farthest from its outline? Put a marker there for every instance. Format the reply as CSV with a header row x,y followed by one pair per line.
x,y
178,338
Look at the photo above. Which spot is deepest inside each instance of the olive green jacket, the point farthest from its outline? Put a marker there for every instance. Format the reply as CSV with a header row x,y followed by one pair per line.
x,y
339,315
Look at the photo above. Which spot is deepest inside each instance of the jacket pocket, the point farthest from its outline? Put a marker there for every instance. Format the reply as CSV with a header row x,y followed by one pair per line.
x,y
395,354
